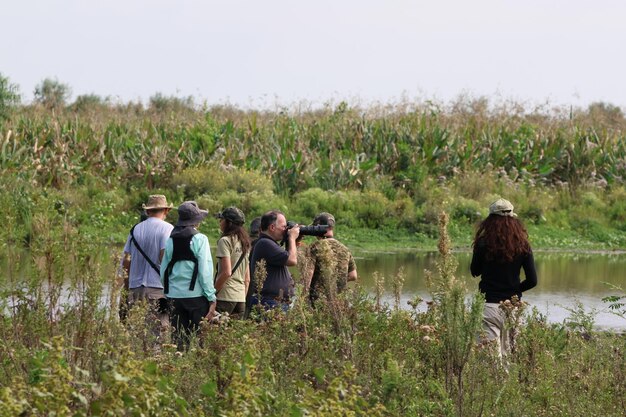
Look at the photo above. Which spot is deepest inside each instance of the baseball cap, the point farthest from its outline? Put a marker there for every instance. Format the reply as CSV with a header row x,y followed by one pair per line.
x,y
233,214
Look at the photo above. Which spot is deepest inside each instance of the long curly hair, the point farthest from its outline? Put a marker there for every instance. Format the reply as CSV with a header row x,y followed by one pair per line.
x,y
237,230
503,238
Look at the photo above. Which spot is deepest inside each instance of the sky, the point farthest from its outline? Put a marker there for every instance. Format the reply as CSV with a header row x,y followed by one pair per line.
x,y
256,53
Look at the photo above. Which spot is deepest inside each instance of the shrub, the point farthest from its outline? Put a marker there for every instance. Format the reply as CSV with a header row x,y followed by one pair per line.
x,y
195,181
52,94
311,202
374,210
161,103
9,97
215,180
466,211
89,103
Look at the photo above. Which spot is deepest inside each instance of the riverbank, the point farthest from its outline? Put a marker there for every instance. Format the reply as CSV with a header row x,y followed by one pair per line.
x,y
543,238
112,229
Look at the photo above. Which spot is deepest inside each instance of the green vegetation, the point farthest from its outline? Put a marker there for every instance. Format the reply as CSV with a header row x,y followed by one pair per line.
x,y
350,356
74,177
384,172
9,97
52,94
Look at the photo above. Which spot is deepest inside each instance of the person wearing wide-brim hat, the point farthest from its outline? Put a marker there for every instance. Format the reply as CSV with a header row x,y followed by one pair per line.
x,y
143,252
501,251
233,254
187,274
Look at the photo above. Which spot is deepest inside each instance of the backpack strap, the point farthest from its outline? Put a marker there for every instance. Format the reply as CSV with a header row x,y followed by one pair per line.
x,y
134,241
181,252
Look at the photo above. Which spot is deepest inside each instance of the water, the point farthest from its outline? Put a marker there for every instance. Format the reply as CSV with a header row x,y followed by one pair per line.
x,y
565,279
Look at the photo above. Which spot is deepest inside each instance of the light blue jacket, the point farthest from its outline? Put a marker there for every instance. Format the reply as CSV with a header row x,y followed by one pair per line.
x,y
180,276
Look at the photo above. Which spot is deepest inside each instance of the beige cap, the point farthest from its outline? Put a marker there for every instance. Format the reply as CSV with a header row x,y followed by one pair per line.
x,y
502,207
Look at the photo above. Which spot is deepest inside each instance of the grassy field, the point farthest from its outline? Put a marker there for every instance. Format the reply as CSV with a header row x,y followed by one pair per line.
x,y
352,356
73,180
384,172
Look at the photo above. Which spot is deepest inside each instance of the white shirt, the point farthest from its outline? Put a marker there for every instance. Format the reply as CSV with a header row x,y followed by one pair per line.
x,y
152,235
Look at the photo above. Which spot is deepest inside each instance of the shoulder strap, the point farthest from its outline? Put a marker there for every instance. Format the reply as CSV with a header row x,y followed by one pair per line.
x,y
232,271
152,264
237,264
181,252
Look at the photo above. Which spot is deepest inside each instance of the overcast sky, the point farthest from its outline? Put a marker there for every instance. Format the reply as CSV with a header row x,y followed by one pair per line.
x,y
259,52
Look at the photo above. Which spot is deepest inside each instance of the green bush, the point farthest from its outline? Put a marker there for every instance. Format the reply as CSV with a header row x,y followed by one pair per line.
x,y
214,180
196,181
374,210
52,94
466,211
313,201
9,97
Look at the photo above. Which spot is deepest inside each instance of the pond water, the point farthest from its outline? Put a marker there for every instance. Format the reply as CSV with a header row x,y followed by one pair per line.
x,y
565,279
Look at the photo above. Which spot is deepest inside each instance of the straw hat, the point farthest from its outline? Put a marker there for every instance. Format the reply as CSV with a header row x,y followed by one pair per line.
x,y
156,201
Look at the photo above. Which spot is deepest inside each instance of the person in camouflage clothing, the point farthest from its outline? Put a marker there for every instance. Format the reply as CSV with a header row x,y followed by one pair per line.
x,y
331,265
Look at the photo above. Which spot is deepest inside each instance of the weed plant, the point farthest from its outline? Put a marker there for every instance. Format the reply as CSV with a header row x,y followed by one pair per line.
x,y
73,181
351,355
391,169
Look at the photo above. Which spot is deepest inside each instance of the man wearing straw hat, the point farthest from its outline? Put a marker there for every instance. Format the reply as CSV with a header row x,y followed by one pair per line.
x,y
143,253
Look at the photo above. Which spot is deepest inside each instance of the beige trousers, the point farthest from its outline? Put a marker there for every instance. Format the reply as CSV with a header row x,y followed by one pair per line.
x,y
495,329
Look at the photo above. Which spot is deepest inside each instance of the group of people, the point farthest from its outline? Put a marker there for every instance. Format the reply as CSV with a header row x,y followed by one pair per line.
x,y
171,267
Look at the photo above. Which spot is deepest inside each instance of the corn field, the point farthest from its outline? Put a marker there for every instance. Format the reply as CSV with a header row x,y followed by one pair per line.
x,y
333,149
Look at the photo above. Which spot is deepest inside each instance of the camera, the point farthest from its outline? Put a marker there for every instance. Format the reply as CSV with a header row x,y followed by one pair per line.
x,y
319,230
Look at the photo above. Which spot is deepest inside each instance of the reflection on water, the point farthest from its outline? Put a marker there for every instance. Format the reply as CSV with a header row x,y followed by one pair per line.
x,y
564,279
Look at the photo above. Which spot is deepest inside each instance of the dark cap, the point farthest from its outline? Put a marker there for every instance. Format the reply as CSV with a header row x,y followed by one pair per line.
x,y
189,214
232,214
324,219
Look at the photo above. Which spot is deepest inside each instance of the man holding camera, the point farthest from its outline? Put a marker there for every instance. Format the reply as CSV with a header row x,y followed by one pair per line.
x,y
277,289
328,251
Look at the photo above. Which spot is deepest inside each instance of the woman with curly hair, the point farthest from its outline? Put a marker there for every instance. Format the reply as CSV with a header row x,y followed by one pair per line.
x,y
501,250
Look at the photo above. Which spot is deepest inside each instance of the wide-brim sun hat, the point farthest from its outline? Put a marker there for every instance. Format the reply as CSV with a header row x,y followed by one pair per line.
x,y
190,214
155,202
502,207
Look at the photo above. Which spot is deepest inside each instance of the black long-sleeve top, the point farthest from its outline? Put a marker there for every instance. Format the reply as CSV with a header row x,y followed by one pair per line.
x,y
501,280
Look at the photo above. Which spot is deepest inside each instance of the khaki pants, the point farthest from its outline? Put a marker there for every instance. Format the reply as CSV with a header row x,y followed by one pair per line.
x,y
495,329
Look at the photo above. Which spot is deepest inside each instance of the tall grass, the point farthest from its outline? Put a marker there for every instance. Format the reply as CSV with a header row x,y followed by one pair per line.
x,y
354,358
390,168
335,148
